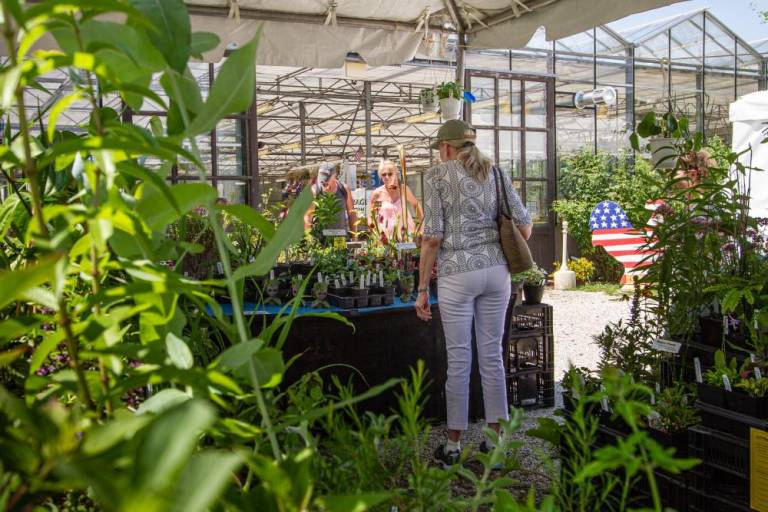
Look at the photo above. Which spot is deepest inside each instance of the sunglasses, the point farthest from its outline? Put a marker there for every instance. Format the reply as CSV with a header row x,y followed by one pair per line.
x,y
385,174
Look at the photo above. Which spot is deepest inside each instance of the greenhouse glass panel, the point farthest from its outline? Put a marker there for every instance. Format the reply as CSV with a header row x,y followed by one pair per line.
x,y
747,71
510,152
535,154
536,200
530,62
509,102
612,134
535,105
233,192
486,143
229,148
686,42
483,109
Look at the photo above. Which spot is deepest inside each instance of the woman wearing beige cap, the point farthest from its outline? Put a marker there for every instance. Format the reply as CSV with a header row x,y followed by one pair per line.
x,y
461,197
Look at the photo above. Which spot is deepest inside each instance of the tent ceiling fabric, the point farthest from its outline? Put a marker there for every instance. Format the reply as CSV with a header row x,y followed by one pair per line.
x,y
319,33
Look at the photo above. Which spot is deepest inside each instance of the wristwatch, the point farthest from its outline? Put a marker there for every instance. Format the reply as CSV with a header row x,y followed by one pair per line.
x,y
423,290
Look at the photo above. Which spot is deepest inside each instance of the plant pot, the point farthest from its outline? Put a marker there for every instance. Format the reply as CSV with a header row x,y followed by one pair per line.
x,y
757,407
711,394
428,100
301,269
533,293
676,440
450,108
663,152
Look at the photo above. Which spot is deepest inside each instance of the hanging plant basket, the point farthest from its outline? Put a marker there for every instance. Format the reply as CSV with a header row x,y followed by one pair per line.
x,y
450,108
428,100
663,154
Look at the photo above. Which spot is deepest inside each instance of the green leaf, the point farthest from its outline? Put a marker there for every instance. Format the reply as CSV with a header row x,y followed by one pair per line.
x,y
237,355
126,39
14,283
289,232
9,356
150,177
15,327
203,481
183,89
9,81
203,42
157,214
172,34
165,399
62,105
548,430
232,91
353,502
178,352
168,445
122,428
251,217
269,367
50,342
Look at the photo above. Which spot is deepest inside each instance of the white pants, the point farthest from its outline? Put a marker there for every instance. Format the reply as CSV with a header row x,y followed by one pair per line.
x,y
482,295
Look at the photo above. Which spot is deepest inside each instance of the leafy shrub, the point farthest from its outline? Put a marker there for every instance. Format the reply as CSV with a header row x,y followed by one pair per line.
x,y
582,267
586,179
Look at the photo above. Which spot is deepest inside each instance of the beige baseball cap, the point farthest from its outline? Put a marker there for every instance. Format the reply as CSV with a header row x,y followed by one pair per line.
x,y
455,133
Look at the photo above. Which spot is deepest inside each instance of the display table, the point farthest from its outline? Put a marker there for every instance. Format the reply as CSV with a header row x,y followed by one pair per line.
x,y
386,343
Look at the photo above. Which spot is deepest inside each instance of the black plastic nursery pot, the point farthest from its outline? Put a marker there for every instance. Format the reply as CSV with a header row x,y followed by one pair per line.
x,y
533,293
676,440
736,401
709,394
301,268
711,331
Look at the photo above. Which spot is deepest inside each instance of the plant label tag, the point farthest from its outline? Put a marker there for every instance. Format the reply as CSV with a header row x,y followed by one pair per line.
x,y
662,345
727,383
336,284
752,357
658,387
219,267
405,246
271,275
335,232
604,401
758,373
697,369
653,398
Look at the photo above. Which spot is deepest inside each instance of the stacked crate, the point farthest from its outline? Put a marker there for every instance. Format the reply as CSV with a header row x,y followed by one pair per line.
x,y
529,356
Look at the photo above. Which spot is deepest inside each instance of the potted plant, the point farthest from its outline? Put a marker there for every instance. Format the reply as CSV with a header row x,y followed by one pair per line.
x,y
674,413
451,95
662,134
712,390
428,100
533,281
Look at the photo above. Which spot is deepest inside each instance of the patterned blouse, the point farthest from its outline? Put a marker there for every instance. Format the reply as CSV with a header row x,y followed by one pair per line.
x,y
462,212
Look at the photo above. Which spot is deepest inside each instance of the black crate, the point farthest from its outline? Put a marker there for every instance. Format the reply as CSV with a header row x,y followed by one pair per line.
x,y
728,422
531,388
719,450
530,351
374,300
723,491
388,299
531,319
681,366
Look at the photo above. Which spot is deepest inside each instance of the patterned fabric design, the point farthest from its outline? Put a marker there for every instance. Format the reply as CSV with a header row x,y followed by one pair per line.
x,y
462,212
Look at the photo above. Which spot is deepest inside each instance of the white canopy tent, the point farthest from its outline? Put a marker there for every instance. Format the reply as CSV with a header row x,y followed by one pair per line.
x,y
749,116
320,33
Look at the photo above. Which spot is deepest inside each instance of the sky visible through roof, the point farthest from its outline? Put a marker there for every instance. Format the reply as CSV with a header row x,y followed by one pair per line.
x,y
741,16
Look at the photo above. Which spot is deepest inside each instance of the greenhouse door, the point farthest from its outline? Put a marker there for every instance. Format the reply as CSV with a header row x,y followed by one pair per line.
x,y
514,117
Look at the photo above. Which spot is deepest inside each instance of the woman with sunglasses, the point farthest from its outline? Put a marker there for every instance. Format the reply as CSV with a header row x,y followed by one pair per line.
x,y
385,209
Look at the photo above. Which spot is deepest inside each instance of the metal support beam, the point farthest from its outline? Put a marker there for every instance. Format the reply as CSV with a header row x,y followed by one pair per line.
x,y
368,104
303,131
252,131
313,19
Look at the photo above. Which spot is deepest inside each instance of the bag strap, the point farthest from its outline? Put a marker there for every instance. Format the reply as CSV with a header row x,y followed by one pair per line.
x,y
503,193
498,194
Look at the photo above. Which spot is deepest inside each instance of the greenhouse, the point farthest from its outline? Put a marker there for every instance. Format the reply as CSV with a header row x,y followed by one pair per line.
x,y
416,255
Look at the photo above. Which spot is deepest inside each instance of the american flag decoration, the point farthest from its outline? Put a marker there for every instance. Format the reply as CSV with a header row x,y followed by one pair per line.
x,y
612,230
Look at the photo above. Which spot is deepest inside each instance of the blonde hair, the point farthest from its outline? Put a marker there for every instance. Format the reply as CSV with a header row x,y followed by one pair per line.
x,y
475,162
384,163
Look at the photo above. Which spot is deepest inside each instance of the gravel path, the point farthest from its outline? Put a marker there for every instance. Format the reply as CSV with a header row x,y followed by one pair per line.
x,y
578,316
